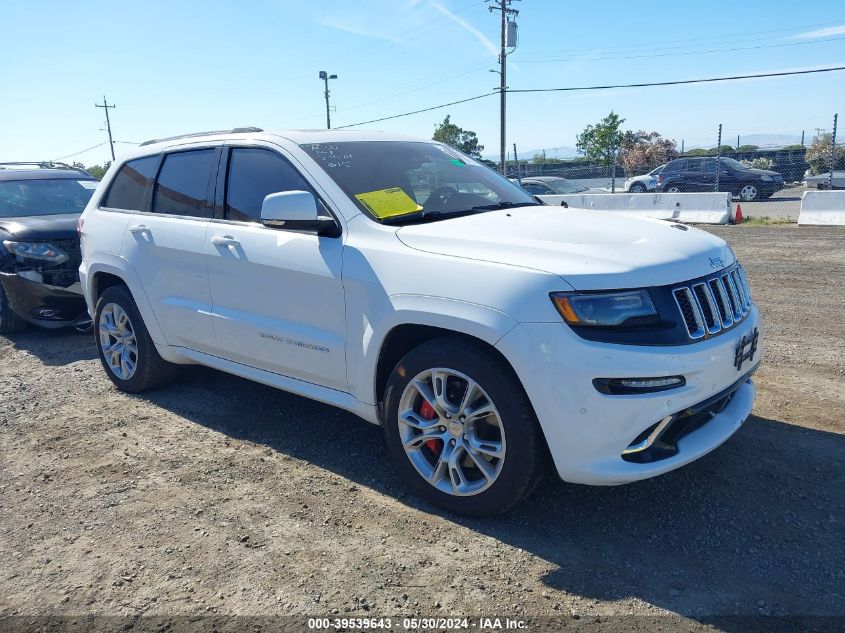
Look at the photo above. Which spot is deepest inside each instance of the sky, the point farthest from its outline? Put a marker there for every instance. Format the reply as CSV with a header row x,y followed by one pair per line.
x,y
184,66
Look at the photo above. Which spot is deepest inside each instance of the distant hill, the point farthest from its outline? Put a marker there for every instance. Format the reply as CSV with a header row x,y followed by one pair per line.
x,y
528,154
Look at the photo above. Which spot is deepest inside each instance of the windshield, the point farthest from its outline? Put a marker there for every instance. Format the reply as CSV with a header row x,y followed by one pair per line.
x,y
562,185
44,197
391,179
730,162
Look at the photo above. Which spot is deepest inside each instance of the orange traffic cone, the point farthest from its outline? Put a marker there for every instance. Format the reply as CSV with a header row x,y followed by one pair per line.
x,y
738,215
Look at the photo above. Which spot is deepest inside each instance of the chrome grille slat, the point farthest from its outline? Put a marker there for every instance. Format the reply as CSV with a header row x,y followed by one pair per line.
x,y
725,309
684,298
715,303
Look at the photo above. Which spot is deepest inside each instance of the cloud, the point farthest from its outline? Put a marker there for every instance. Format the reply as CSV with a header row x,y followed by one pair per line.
x,y
485,41
356,27
828,32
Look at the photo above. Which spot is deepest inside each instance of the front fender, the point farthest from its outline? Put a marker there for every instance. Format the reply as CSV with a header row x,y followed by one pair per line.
x,y
364,348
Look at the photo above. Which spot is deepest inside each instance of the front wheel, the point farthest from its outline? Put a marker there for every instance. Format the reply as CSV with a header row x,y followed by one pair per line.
x,y
127,352
638,187
748,193
461,429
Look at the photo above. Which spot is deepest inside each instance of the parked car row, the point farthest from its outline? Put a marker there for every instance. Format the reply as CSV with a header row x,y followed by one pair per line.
x,y
490,335
683,175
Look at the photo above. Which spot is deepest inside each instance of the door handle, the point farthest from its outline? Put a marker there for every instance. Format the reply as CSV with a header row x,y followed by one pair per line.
x,y
139,228
225,240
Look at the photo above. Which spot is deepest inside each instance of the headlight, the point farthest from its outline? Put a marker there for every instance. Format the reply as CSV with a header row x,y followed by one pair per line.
x,y
37,250
607,309
766,178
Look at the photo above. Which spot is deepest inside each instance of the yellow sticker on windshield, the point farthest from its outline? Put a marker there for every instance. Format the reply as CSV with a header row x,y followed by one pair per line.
x,y
387,203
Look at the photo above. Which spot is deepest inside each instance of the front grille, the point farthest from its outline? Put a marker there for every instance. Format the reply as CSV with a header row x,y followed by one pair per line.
x,y
713,304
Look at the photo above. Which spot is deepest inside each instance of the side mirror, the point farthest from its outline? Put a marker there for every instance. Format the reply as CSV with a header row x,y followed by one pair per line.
x,y
294,211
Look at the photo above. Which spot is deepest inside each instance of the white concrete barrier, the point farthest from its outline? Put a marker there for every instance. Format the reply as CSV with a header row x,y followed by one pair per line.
x,y
699,208
822,208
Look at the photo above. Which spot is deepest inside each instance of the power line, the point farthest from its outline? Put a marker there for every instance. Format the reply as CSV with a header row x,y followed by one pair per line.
x,y
437,107
683,81
677,53
608,87
81,151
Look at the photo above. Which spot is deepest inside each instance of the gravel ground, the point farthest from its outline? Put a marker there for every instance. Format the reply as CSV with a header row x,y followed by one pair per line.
x,y
217,496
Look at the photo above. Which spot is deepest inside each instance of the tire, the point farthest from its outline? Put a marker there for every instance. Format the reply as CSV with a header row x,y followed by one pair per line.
x,y
638,187
10,322
749,192
139,366
673,189
510,429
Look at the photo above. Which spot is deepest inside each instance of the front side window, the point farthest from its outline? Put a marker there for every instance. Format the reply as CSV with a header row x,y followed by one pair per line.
x,y
182,184
44,196
562,185
253,175
131,183
409,180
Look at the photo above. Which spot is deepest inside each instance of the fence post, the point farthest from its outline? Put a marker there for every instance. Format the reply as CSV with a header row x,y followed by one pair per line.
x,y
718,157
832,153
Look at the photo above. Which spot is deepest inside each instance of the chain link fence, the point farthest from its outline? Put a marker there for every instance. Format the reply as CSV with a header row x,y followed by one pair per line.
x,y
767,182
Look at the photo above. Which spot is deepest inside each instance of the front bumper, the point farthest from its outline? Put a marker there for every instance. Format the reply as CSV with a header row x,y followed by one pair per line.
x,y
45,305
587,432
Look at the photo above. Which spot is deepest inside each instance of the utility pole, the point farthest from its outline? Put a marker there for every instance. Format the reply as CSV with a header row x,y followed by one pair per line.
x,y
502,6
718,157
832,153
682,147
737,142
325,77
802,138
106,107
516,160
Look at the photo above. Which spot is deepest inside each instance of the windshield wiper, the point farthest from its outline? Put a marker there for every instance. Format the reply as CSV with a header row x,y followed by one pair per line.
x,y
424,216
504,205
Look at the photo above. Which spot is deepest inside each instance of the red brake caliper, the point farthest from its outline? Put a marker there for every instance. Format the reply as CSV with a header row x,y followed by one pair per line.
x,y
427,412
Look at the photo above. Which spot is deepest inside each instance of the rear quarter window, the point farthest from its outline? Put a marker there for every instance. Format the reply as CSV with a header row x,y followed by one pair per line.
x,y
131,183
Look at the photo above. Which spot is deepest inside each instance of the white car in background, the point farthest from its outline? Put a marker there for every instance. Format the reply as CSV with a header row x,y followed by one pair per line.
x,y
403,281
644,183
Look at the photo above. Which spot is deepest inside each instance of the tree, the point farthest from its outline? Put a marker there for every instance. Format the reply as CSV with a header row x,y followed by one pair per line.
x,y
747,148
465,141
599,142
643,151
98,171
818,155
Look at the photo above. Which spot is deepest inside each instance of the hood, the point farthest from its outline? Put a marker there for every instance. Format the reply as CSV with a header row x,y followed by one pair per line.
x,y
41,227
763,172
591,250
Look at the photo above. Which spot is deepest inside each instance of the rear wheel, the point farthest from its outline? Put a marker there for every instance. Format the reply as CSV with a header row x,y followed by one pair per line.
x,y
461,429
9,321
674,189
127,352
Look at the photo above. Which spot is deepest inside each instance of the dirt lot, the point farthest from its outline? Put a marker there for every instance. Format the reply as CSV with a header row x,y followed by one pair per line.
x,y
220,496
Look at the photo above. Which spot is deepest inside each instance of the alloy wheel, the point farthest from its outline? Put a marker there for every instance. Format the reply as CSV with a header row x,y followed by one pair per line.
x,y
451,432
117,341
748,192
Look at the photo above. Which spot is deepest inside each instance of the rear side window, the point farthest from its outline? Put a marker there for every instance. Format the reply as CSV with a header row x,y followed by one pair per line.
x,y
129,186
254,174
536,189
182,185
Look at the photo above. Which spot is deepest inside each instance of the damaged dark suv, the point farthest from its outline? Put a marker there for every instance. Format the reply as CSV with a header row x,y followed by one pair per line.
x,y
40,204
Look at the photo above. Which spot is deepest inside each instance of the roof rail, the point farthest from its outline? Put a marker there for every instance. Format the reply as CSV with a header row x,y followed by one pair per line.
x,y
44,164
237,130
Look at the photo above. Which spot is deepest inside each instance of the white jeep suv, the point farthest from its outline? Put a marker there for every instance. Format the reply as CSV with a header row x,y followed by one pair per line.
x,y
407,283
